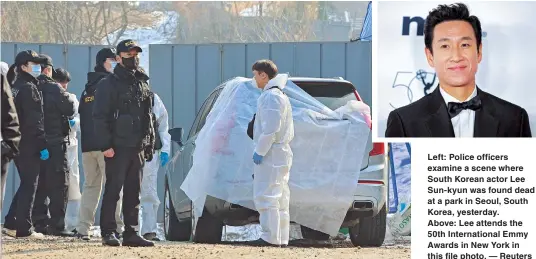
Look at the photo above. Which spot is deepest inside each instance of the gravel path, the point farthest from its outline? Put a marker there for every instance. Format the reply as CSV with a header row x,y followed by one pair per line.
x,y
59,247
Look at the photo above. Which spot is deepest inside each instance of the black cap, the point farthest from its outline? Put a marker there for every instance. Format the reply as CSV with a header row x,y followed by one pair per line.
x,y
47,60
28,56
104,54
127,45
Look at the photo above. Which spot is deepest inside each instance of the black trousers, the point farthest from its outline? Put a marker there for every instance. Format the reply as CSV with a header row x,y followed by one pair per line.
x,y
123,171
40,215
5,163
53,183
19,216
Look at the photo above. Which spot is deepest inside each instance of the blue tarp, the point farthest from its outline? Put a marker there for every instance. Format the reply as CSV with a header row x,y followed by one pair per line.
x,y
399,176
366,31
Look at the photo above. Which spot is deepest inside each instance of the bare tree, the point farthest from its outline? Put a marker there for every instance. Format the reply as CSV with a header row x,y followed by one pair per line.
x,y
198,22
70,22
246,21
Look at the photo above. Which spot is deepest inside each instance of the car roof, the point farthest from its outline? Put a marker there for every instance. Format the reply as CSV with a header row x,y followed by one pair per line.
x,y
309,80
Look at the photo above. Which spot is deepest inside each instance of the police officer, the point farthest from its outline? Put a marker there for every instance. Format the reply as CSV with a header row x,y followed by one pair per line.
x,y
123,122
32,147
54,178
92,157
10,130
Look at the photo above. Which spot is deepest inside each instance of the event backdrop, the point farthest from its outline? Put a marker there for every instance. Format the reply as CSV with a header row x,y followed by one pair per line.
x,y
508,64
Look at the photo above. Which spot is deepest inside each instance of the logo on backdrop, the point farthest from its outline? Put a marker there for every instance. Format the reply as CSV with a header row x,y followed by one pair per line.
x,y
406,23
419,21
420,82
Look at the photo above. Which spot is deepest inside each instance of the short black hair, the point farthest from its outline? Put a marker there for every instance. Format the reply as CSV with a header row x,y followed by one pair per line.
x,y
267,66
62,76
453,12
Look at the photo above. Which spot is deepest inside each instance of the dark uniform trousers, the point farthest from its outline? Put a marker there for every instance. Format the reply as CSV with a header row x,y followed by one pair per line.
x,y
19,216
123,171
5,165
53,183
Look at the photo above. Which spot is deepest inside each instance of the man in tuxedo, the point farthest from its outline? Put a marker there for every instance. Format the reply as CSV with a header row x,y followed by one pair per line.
x,y
457,107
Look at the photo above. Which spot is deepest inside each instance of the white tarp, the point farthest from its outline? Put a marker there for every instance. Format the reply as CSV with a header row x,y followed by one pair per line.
x,y
328,148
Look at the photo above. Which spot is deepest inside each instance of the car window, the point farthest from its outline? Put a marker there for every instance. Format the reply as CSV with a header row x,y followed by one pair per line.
x,y
193,129
206,110
333,94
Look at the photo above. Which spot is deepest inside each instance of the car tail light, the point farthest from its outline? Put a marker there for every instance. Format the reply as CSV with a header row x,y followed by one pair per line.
x,y
369,182
368,119
377,149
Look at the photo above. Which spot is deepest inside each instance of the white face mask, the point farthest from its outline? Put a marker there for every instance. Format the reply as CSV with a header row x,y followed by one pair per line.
x,y
113,63
36,70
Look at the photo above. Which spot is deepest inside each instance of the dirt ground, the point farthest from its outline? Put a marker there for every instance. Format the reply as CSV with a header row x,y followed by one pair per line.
x,y
68,248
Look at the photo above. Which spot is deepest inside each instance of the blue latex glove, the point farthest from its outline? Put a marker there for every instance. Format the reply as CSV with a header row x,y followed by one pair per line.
x,y
44,154
257,159
164,158
71,122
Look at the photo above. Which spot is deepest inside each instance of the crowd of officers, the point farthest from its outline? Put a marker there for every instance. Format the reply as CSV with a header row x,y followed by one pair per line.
x,y
119,129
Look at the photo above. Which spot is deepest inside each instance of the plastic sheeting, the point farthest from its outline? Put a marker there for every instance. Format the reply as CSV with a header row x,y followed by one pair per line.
x,y
328,148
399,223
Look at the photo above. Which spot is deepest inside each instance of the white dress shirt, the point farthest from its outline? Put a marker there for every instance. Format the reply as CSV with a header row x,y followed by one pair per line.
x,y
463,123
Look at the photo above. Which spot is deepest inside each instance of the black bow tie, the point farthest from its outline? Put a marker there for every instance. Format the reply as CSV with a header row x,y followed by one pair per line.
x,y
455,108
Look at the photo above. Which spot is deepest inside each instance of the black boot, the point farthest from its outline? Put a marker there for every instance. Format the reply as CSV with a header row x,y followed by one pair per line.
x,y
151,236
81,236
109,239
133,239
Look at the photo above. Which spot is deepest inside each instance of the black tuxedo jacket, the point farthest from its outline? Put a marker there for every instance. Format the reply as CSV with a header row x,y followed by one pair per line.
x,y
428,117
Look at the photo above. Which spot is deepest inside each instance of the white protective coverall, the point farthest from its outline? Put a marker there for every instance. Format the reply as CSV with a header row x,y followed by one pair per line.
x,y
149,196
74,195
273,130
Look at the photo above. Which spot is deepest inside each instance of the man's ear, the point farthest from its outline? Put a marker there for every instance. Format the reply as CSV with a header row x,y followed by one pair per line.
x,y
479,53
429,56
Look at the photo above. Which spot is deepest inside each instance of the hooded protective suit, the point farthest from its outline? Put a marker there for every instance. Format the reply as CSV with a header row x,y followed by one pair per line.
x,y
74,195
149,196
273,130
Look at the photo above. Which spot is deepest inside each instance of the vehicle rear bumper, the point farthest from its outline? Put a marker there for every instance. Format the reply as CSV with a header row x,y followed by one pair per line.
x,y
369,198
366,204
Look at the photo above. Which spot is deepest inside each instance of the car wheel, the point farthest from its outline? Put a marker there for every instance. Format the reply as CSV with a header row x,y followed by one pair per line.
x,y
208,229
309,233
174,229
370,231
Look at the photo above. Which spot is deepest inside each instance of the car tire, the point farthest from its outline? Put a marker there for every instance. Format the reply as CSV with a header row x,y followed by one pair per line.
x,y
209,229
370,232
309,233
174,230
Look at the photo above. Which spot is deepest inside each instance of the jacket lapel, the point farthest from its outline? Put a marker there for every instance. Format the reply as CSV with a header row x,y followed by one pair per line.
x,y
438,122
486,125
